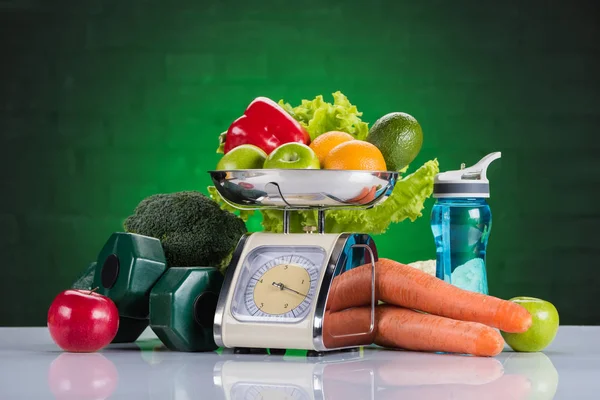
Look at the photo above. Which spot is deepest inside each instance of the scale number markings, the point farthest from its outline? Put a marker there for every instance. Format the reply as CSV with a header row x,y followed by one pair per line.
x,y
282,287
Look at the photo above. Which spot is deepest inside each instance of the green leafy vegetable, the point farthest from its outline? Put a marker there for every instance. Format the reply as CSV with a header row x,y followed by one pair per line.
x,y
221,148
406,202
215,196
319,116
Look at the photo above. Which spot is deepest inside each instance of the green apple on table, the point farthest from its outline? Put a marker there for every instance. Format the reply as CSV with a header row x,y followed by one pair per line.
x,y
543,328
245,156
292,156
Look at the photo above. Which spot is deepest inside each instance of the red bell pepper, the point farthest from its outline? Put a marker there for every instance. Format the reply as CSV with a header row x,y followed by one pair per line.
x,y
265,124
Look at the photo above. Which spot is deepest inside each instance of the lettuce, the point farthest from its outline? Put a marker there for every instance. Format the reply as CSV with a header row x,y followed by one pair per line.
x,y
405,202
319,116
216,197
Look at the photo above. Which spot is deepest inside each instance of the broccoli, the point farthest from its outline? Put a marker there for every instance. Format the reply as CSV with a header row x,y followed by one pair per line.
x,y
193,229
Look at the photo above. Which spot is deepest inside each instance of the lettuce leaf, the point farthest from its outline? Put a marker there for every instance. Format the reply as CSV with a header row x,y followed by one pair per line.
x,y
213,193
221,148
319,116
406,202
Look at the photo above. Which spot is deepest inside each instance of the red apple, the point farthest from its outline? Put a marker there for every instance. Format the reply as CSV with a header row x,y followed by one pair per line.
x,y
82,321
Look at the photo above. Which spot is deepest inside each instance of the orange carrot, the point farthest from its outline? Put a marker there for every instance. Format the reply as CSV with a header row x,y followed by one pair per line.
x,y
409,287
337,325
410,330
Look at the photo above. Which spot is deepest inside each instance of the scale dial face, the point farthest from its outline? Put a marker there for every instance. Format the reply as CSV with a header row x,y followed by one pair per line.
x,y
278,283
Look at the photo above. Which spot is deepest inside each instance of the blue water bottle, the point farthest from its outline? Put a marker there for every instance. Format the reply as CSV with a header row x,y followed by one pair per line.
x,y
461,221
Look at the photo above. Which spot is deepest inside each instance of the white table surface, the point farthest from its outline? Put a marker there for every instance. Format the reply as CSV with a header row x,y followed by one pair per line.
x,y
32,367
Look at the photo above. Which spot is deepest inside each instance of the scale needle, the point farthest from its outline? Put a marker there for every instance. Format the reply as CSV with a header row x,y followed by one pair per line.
x,y
283,287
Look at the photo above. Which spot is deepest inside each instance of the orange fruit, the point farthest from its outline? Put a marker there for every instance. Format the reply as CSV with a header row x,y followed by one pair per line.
x,y
324,143
355,155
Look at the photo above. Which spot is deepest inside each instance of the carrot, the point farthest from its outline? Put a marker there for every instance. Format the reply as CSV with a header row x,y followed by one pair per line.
x,y
409,287
398,327
351,321
410,330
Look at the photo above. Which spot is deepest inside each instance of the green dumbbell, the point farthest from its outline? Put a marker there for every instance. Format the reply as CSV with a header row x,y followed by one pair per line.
x,y
182,308
86,280
129,328
127,268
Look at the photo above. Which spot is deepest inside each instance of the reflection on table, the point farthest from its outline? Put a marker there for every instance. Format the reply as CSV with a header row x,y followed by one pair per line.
x,y
370,373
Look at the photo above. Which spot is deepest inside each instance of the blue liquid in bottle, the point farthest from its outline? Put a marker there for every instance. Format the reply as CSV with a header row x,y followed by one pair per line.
x,y
461,227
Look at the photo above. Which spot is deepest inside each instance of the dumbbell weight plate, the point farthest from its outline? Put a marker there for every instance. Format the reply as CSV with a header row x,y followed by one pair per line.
x,y
182,308
127,268
129,328
86,280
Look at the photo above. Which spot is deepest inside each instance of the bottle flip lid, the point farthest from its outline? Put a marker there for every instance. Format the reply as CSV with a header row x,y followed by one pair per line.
x,y
466,182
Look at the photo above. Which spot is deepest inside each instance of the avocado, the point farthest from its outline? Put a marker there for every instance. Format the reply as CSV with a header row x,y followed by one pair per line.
x,y
399,137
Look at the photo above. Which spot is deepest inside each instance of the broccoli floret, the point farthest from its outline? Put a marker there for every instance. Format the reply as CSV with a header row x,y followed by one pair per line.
x,y
193,229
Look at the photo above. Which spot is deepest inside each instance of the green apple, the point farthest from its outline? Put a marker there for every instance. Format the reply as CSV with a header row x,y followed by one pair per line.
x,y
245,156
543,329
293,156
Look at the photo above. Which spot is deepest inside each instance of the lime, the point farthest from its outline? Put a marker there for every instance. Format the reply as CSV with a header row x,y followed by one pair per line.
x,y
399,138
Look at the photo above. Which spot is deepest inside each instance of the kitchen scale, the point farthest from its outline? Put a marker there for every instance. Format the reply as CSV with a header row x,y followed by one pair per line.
x,y
278,285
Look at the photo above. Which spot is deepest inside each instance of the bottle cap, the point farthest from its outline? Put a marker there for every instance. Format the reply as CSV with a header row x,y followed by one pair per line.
x,y
466,182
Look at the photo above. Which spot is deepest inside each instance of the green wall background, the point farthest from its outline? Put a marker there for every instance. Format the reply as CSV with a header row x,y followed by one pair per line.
x,y
103,102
